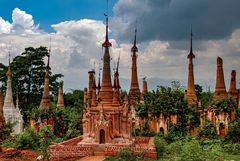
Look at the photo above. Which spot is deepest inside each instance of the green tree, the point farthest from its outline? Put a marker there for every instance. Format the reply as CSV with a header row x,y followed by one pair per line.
x,y
206,98
198,90
208,131
234,132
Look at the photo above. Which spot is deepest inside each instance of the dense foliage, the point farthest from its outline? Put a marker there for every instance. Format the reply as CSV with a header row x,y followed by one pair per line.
x,y
169,100
5,131
68,120
189,149
208,131
204,97
224,105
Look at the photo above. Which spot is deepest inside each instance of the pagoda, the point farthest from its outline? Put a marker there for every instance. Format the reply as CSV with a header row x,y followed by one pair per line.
x,y
12,114
106,119
134,92
45,104
191,94
60,99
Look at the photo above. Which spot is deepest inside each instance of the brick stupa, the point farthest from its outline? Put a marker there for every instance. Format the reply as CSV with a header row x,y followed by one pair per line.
x,y
46,101
134,92
233,92
191,94
60,99
220,89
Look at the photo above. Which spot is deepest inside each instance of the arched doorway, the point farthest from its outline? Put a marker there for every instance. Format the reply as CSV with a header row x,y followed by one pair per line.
x,y
161,131
102,137
222,130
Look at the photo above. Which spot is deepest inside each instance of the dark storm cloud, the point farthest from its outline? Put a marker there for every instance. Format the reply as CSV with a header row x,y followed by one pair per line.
x,y
171,19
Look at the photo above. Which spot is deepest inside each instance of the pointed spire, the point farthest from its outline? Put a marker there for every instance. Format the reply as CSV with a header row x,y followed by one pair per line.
x,y
9,73
94,96
91,74
191,55
144,86
106,93
134,92
134,48
60,99
116,86
106,44
191,94
17,100
46,101
48,59
116,76
99,82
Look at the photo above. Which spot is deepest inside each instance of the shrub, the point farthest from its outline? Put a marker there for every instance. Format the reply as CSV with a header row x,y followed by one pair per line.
x,y
232,148
234,132
27,140
175,132
160,144
208,131
6,131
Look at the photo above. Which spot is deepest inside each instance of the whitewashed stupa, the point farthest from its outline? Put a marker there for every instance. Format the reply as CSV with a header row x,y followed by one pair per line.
x,y
12,114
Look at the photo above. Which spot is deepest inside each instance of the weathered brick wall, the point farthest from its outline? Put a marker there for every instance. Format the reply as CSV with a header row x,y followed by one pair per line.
x,y
59,152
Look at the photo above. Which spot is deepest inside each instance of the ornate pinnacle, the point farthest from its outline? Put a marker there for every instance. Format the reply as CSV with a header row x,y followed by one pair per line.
x,y
106,44
191,55
134,48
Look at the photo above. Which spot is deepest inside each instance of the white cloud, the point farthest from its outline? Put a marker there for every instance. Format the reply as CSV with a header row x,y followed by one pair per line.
x,y
5,26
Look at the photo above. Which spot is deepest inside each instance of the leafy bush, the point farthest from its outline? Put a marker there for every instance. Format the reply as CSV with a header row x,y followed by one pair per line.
x,y
208,131
27,140
175,132
232,148
144,132
224,105
6,131
234,132
160,144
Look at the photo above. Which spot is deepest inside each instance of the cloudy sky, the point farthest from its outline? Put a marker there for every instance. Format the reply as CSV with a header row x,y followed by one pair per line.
x,y
77,30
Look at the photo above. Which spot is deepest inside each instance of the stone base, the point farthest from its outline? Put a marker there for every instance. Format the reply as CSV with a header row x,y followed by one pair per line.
x,y
76,147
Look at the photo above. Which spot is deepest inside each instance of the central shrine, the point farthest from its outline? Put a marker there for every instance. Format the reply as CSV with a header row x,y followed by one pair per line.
x,y
106,119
